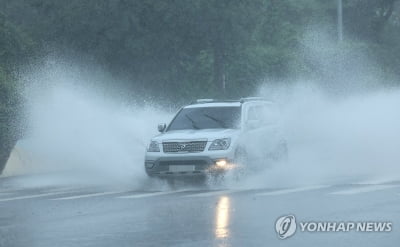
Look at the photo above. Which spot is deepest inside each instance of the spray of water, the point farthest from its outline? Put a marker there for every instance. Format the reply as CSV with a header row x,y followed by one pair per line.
x,y
340,126
335,140
80,134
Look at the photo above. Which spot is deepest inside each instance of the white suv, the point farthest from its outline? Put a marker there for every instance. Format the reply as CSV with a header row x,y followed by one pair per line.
x,y
211,137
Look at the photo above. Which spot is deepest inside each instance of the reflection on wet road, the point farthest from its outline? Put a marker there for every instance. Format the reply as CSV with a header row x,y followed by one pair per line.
x,y
222,217
94,216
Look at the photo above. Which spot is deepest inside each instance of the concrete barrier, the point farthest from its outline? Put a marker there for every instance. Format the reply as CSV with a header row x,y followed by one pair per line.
x,y
17,163
22,161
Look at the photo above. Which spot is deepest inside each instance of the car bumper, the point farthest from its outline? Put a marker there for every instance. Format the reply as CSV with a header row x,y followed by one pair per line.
x,y
188,165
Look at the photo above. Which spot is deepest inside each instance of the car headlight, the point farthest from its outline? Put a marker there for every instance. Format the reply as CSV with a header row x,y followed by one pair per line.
x,y
153,147
220,144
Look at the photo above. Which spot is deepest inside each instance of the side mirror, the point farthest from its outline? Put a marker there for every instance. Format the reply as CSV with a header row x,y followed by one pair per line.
x,y
161,127
253,124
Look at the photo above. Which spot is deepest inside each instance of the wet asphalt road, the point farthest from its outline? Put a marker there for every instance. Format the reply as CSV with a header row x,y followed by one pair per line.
x,y
109,216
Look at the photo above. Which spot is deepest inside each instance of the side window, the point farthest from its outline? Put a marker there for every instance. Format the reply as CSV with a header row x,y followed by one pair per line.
x,y
265,114
268,114
252,113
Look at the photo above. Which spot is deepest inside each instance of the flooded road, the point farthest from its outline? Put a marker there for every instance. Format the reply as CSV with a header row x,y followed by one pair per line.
x,y
183,216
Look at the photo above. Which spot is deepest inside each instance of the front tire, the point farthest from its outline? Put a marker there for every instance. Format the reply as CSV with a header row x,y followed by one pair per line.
x,y
281,153
242,163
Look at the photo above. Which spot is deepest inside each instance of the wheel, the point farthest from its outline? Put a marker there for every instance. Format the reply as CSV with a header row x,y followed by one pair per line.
x,y
171,182
241,158
281,152
242,162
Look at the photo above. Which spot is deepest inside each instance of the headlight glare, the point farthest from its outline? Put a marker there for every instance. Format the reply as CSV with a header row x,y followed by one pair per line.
x,y
221,163
220,144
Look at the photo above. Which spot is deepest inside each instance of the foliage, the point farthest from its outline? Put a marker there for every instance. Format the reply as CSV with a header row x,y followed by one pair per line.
x,y
14,45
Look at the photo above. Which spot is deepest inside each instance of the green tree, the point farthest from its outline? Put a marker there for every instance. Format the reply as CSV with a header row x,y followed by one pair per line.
x,y
13,46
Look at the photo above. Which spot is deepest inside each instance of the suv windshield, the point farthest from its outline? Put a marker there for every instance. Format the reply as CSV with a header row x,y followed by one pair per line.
x,y
207,118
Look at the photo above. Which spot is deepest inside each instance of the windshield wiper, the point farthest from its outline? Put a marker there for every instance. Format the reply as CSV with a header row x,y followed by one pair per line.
x,y
193,122
219,121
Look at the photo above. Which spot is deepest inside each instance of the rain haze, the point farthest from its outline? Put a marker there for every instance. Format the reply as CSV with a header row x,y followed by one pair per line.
x,y
116,123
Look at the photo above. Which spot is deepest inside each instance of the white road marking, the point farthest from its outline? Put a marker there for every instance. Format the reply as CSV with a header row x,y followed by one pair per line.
x,y
11,190
65,189
213,193
365,189
31,196
5,193
35,189
378,181
293,190
89,195
150,194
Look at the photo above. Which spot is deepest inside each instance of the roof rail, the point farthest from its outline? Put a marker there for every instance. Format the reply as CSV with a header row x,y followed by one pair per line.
x,y
200,101
204,100
242,100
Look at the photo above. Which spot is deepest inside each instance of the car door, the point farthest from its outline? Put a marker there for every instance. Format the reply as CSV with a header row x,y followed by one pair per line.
x,y
261,131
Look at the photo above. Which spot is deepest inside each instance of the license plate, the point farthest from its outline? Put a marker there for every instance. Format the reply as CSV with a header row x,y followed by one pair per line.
x,y
181,168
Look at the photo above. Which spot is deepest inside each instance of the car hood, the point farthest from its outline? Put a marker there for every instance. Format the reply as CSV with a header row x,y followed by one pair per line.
x,y
188,135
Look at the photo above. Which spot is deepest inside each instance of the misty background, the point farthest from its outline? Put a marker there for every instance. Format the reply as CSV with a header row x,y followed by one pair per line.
x,y
67,66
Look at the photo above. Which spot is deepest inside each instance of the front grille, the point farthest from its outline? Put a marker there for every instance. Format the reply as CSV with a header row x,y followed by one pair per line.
x,y
175,147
